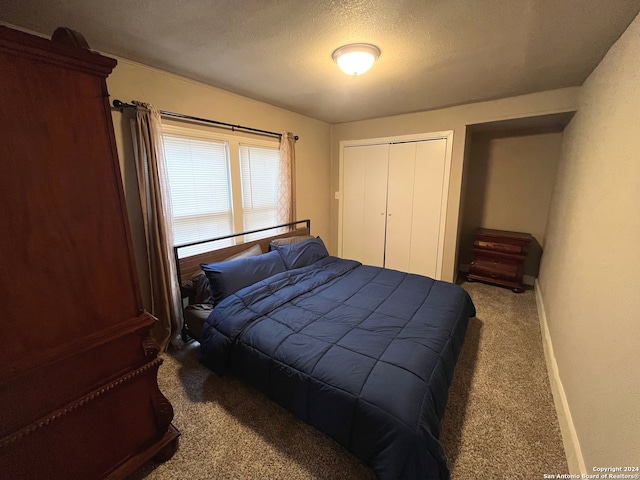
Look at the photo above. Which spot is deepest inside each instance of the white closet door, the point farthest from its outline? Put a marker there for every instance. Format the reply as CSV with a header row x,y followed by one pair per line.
x,y
427,206
364,203
400,199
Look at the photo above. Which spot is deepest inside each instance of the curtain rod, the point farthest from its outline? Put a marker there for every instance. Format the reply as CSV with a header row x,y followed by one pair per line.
x,y
121,106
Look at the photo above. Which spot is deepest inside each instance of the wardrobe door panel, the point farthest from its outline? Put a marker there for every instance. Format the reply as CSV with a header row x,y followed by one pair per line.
x,y
68,201
400,195
78,372
427,206
364,203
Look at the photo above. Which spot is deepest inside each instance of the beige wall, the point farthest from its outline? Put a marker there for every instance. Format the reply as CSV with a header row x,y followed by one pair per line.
x,y
508,187
588,280
132,81
455,119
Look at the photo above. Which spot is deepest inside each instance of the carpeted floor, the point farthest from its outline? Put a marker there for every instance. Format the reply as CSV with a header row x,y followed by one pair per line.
x,y
500,421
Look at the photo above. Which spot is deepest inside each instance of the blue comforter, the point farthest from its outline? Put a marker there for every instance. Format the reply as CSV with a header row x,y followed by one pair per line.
x,y
364,354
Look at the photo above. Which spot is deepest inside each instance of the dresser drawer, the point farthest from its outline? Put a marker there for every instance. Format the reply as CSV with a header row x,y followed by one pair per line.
x,y
496,262
491,272
499,247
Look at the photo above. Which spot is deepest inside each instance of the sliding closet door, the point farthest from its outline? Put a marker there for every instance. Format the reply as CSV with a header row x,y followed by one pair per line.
x,y
427,206
416,173
364,203
400,193
392,201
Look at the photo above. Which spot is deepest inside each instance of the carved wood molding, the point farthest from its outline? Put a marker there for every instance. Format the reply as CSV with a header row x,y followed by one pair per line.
x,y
66,36
81,402
71,349
67,50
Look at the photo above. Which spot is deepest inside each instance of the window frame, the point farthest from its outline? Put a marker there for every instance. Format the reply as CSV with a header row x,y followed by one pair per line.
x,y
234,141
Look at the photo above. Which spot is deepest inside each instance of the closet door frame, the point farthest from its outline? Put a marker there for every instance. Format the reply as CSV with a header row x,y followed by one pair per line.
x,y
446,135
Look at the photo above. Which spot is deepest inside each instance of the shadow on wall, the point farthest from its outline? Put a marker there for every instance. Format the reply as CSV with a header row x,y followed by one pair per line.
x,y
534,255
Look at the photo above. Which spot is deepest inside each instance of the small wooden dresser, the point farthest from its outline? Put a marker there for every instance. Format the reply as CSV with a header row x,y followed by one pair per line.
x,y
498,258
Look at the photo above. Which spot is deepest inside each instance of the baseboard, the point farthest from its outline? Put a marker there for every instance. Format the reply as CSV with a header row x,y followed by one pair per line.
x,y
570,440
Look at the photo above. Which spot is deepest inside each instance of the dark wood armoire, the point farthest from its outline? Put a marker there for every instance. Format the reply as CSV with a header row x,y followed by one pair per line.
x,y
79,397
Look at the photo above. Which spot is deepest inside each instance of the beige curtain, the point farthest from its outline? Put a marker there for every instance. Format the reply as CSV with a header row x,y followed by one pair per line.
x,y
287,185
156,211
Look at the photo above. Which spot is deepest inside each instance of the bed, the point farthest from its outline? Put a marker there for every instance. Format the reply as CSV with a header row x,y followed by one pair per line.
x,y
364,354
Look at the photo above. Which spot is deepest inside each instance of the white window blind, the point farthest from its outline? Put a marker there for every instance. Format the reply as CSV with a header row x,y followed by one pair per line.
x,y
200,186
260,173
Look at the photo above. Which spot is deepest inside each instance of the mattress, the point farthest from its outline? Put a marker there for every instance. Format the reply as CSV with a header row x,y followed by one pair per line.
x,y
364,354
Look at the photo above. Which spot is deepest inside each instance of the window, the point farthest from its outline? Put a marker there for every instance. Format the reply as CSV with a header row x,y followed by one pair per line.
x,y
220,184
260,167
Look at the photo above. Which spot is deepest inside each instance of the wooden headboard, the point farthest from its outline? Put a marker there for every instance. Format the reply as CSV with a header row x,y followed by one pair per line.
x,y
188,266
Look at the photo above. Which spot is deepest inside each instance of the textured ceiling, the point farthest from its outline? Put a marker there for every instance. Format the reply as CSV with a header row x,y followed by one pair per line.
x,y
435,53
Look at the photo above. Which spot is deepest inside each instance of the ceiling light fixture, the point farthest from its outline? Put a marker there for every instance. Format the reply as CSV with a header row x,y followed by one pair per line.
x,y
356,58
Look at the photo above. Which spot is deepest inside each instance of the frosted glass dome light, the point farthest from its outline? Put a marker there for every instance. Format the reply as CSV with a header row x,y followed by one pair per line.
x,y
356,58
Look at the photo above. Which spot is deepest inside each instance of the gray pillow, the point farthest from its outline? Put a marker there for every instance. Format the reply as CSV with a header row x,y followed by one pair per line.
x,y
249,252
290,240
